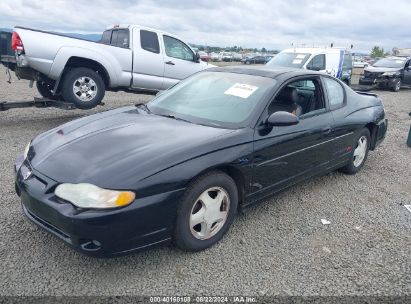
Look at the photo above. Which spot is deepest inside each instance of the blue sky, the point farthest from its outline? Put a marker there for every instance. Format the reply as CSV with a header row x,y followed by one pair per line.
x,y
270,24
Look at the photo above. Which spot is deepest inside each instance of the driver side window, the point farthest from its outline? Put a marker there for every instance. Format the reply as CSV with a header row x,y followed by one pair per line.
x,y
317,63
177,49
299,97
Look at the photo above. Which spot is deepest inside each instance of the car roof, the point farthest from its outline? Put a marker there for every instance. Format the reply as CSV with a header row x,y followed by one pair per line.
x,y
264,71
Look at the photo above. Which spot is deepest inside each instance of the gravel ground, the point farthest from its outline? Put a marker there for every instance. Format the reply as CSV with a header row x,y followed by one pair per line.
x,y
279,247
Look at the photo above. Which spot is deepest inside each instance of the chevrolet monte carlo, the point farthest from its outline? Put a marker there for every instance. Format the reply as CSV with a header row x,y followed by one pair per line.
x,y
178,169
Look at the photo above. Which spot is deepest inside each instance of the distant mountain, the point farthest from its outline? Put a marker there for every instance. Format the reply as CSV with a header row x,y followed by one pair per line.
x,y
92,37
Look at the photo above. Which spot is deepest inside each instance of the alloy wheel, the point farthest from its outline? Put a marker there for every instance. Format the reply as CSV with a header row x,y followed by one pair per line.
x,y
398,85
85,88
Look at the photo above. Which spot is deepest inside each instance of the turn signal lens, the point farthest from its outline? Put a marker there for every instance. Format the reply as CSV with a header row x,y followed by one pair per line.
x,y
91,196
125,198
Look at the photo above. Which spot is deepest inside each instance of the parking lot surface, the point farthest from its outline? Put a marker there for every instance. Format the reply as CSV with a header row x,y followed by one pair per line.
x,y
278,247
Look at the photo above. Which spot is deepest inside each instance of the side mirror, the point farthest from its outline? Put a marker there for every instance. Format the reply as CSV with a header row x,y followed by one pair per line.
x,y
282,118
197,57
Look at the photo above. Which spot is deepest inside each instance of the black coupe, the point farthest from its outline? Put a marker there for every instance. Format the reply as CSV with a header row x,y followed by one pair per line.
x,y
180,167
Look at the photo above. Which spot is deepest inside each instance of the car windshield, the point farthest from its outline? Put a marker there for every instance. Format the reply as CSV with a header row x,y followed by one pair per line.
x,y
219,99
390,63
289,60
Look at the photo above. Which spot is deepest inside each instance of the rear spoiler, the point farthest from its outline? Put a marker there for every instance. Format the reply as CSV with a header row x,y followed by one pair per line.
x,y
366,93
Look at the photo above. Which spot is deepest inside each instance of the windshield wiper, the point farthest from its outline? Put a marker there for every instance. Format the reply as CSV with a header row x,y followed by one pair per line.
x,y
144,106
174,117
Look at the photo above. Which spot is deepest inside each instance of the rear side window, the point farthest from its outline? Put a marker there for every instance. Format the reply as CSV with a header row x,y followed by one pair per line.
x,y
317,63
106,37
335,93
149,41
120,38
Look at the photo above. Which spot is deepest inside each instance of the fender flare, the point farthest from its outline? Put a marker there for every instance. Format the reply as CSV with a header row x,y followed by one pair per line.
x,y
65,53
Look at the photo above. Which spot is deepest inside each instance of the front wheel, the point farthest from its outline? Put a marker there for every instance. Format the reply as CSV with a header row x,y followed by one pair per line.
x,y
397,85
359,154
83,87
206,211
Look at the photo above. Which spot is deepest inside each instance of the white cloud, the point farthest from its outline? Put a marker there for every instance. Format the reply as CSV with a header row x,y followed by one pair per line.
x,y
236,22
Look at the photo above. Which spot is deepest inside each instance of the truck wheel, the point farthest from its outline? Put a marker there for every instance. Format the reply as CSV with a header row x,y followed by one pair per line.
x,y
397,85
83,87
45,89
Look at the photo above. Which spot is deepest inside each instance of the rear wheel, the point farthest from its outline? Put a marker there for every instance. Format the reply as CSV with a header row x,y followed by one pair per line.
x,y
83,87
397,85
206,212
45,89
359,154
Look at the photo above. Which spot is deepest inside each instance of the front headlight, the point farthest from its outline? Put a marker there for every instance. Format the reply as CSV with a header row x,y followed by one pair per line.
x,y
26,151
390,73
91,196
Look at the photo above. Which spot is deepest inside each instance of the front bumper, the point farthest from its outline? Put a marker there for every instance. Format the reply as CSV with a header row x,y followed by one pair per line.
x,y
381,82
145,223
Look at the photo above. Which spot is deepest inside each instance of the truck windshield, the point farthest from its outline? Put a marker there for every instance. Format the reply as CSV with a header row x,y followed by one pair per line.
x,y
220,99
289,60
390,63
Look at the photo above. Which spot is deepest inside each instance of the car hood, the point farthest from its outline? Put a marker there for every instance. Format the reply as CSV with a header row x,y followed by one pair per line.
x,y
117,145
380,69
207,65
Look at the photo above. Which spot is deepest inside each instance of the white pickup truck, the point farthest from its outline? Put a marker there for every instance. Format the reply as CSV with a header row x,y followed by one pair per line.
x,y
128,57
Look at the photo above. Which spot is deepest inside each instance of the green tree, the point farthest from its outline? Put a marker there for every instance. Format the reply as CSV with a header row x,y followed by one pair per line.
x,y
263,50
377,52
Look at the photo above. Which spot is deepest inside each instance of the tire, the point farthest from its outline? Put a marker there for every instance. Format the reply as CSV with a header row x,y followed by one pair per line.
x,y
45,90
190,236
357,161
397,85
83,87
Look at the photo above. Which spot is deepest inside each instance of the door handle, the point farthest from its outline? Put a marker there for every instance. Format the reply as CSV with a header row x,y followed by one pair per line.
x,y
170,62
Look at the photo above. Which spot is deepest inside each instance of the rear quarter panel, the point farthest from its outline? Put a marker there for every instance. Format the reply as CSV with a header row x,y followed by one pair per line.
x,y
359,112
117,61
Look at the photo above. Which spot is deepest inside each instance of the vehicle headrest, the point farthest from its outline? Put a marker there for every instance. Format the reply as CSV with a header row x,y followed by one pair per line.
x,y
288,95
